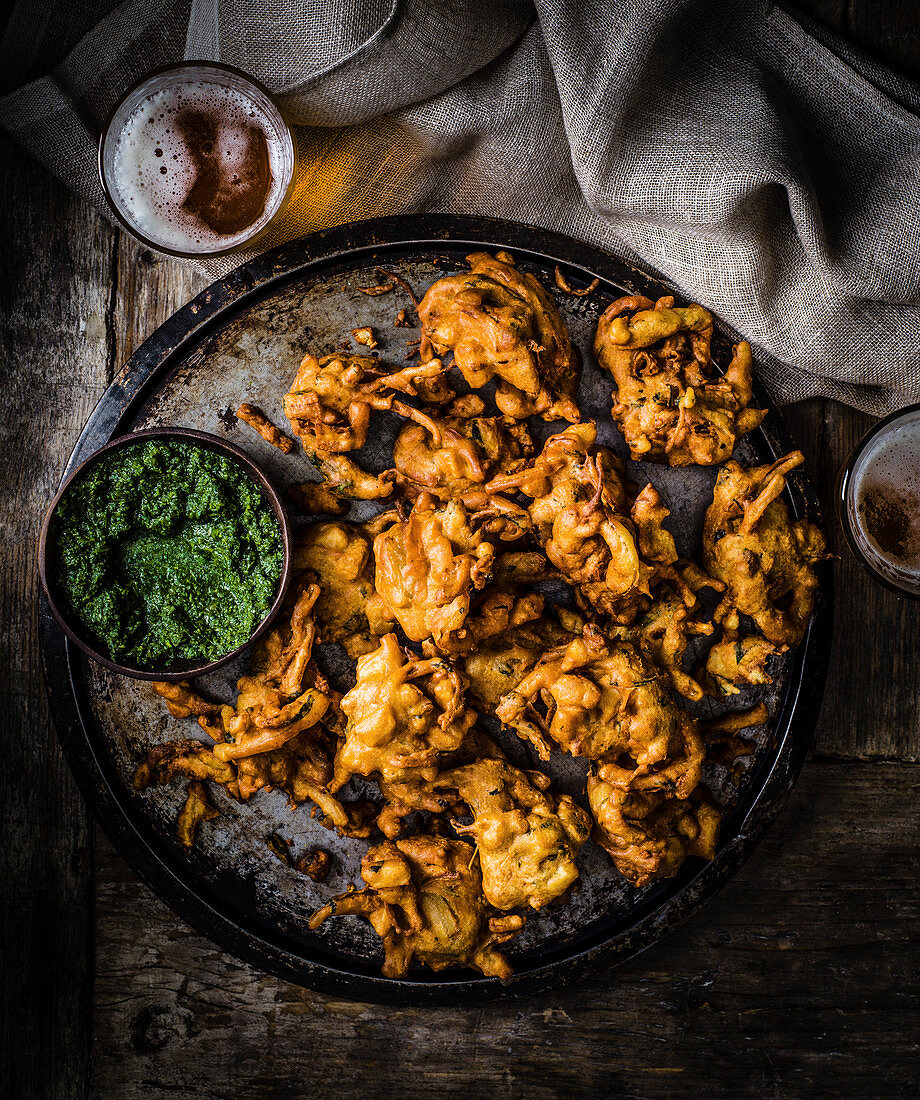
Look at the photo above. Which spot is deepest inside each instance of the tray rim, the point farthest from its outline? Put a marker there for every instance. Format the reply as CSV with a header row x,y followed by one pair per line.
x,y
228,929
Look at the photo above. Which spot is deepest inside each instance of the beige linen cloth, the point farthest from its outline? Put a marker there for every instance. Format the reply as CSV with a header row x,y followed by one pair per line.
x,y
762,166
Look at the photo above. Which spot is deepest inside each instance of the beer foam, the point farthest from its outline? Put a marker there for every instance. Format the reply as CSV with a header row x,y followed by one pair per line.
x,y
154,172
887,479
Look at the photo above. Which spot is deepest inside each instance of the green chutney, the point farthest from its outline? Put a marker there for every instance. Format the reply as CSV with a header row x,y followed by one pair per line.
x,y
166,550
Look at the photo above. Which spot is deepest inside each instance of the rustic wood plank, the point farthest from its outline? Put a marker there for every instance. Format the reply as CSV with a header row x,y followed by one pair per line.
x,y
55,355
872,701
799,979
148,289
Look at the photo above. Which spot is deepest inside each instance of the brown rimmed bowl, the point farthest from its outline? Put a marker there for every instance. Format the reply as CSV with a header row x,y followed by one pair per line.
x,y
186,668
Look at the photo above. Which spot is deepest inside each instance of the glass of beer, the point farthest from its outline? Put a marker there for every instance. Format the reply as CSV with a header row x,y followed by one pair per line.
x,y
878,501
196,159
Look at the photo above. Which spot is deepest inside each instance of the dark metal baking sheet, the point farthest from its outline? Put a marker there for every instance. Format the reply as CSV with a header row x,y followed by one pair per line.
x,y
241,339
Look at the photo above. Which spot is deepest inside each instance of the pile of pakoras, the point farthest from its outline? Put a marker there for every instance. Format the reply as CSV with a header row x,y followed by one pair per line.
x,y
438,601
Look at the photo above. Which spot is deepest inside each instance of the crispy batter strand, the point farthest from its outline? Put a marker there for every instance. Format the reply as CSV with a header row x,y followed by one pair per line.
x,y
255,418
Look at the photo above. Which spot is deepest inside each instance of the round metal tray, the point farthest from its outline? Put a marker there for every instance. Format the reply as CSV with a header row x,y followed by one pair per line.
x,y
241,339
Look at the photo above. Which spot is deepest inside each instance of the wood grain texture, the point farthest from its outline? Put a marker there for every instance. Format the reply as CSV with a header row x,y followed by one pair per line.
x,y
57,260
800,980
147,289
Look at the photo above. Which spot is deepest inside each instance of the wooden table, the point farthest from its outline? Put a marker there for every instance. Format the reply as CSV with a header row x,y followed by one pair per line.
x,y
800,979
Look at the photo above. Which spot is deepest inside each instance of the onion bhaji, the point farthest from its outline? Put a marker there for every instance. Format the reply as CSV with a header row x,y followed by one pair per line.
x,y
424,898
501,323
499,663
527,840
737,661
764,559
403,714
672,619
649,834
329,406
610,550
604,700
281,730
466,449
428,566
338,556
197,808
671,404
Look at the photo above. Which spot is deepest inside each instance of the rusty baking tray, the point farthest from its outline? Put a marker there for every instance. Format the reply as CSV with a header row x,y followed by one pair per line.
x,y
241,339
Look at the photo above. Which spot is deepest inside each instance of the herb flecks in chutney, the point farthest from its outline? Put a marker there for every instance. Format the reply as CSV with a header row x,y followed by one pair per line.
x,y
167,550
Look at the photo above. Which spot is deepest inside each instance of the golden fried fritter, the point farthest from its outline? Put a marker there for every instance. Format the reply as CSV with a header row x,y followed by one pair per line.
x,y
649,834
300,767
468,448
348,610
315,498
329,406
527,840
671,403
605,701
282,695
665,629
609,549
182,700
498,664
412,791
194,759
258,421
424,899
280,730
428,565
403,715
765,560
738,660
501,323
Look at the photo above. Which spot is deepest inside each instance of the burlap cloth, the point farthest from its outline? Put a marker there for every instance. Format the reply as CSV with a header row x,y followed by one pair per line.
x,y
770,171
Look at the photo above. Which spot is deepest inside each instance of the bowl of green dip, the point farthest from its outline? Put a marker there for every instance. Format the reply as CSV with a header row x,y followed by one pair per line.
x,y
165,554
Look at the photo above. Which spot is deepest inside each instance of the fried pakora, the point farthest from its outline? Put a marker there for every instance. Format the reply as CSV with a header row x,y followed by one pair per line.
x,y
499,663
672,619
765,560
413,791
197,808
671,403
469,447
734,662
424,899
527,840
283,694
329,406
259,422
403,714
603,699
649,834
501,323
279,733
610,550
428,566
338,556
